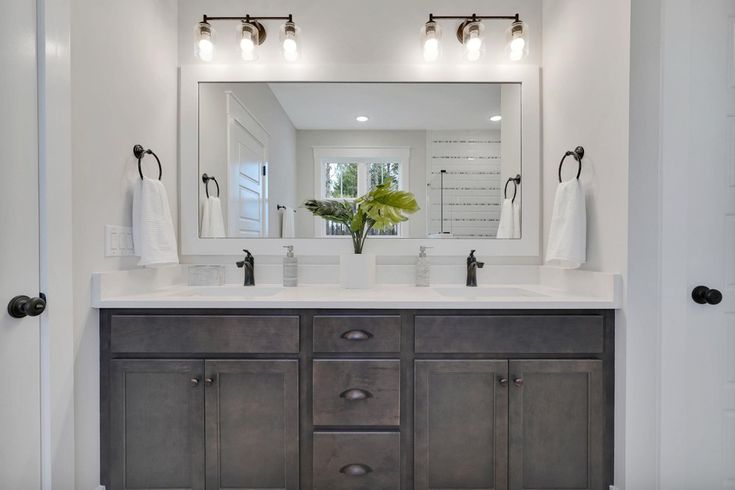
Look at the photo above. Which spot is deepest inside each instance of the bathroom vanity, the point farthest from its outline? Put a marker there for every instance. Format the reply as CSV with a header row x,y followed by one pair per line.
x,y
356,398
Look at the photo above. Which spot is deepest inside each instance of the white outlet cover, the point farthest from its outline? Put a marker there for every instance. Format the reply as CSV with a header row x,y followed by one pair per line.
x,y
118,241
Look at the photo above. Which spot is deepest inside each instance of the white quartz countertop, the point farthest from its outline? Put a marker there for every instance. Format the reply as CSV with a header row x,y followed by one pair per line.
x,y
553,289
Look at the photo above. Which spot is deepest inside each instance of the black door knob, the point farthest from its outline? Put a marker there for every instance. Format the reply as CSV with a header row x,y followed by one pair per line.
x,y
23,306
704,295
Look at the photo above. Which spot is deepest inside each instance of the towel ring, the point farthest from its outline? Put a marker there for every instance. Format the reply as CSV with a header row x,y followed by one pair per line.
x,y
578,155
516,182
139,153
206,178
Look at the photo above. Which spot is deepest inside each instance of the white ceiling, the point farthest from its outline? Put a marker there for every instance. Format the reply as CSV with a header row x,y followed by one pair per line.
x,y
407,106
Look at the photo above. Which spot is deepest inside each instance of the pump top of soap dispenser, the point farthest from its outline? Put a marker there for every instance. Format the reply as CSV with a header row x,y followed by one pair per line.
x,y
289,252
422,251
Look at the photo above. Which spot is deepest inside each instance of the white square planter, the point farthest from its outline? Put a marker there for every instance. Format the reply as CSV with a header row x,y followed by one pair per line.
x,y
357,271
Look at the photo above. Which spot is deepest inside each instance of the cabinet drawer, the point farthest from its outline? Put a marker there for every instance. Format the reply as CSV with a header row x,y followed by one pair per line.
x,y
357,461
510,334
165,334
357,393
357,334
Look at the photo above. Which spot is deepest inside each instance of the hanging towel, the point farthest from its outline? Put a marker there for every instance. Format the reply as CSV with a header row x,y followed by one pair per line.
x,y
516,219
567,247
506,225
213,222
288,222
153,229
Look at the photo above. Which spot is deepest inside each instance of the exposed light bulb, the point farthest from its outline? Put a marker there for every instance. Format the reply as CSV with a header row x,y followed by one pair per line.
x,y
472,55
289,41
517,41
474,43
472,40
204,43
430,35
249,37
518,44
206,50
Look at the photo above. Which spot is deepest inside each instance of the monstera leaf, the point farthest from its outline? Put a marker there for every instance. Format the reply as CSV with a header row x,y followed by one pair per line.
x,y
339,211
387,207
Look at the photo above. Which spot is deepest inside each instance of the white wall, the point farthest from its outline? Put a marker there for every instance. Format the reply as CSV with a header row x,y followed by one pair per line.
x,y
264,106
124,91
376,31
586,71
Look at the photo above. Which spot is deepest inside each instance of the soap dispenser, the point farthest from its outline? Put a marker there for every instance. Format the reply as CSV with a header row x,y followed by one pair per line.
x,y
290,268
423,268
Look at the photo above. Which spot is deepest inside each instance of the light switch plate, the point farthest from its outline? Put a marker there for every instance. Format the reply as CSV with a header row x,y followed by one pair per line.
x,y
118,241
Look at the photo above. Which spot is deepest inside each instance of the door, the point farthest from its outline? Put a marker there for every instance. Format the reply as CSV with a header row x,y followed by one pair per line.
x,y
156,424
556,425
247,148
252,424
460,425
697,447
20,403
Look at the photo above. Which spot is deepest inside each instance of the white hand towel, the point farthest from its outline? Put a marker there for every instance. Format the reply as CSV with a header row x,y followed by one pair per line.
x,y
288,223
567,247
516,219
213,221
153,229
506,225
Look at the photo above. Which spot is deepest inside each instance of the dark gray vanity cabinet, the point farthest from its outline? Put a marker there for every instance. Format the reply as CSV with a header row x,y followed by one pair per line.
x,y
461,424
252,427
156,424
556,420
357,400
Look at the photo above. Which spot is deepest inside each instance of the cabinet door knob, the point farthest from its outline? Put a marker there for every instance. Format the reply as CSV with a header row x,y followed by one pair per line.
x,y
503,382
355,394
357,335
356,469
194,382
704,295
518,382
209,381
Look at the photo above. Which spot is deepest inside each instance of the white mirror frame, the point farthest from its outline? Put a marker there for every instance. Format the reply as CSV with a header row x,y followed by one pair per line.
x,y
528,76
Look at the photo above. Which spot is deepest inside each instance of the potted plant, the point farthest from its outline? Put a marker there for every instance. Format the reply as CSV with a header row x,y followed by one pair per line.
x,y
380,209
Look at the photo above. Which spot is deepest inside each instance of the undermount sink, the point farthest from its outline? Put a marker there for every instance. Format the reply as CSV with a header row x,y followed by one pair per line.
x,y
227,291
486,292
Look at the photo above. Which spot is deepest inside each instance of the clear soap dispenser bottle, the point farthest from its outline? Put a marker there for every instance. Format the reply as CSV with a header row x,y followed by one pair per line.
x,y
423,268
290,268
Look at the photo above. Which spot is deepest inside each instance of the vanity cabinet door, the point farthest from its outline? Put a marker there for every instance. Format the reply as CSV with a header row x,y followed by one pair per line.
x,y
556,424
461,423
156,424
252,417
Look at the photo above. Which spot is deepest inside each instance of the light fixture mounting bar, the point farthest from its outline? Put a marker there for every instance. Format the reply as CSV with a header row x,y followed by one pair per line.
x,y
515,17
248,18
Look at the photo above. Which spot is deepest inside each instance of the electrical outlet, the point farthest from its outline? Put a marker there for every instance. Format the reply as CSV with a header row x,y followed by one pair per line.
x,y
118,241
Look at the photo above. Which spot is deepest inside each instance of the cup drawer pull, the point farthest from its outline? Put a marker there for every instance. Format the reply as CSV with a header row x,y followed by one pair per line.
x,y
355,394
357,335
356,469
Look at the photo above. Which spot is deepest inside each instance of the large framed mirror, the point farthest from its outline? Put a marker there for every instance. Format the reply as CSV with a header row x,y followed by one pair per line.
x,y
252,151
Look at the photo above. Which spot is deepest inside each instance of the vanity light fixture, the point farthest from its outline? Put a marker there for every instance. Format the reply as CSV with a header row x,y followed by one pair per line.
x,y
250,34
470,35
362,119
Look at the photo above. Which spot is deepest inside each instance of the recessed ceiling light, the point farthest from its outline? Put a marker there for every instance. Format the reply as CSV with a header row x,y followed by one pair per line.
x,y
361,118
497,118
